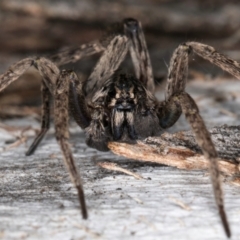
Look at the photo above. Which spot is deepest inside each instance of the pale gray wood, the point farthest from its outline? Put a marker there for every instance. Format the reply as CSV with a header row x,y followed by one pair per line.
x,y
38,201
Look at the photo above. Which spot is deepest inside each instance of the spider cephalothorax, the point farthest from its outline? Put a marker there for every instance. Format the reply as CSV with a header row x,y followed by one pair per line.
x,y
122,110
113,106
136,105
121,102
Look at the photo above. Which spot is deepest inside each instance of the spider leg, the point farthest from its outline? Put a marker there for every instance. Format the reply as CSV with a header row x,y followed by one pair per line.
x,y
49,73
74,54
14,72
77,104
107,65
177,101
96,87
178,71
210,54
61,101
57,84
46,97
203,139
139,52
176,83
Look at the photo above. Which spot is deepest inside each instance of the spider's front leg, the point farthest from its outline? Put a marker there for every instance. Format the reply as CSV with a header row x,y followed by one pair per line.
x,y
57,84
178,71
139,52
203,138
178,101
94,92
61,118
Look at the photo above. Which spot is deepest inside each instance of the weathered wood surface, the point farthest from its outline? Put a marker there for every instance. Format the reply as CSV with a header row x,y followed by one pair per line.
x,y
37,199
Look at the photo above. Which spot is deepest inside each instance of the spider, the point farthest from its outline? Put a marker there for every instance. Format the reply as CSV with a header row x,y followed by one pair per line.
x,y
114,106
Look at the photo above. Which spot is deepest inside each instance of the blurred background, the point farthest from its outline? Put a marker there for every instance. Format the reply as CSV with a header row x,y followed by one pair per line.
x,y
30,28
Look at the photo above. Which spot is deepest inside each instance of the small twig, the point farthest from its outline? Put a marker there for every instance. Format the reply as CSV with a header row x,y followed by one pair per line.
x,y
180,203
15,144
16,111
21,135
180,157
236,182
115,167
88,230
136,199
228,113
181,151
19,131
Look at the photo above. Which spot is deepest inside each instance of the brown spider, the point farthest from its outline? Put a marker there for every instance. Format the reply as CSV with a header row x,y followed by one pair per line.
x,y
111,106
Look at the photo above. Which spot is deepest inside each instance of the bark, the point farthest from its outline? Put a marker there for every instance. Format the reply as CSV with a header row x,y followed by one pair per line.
x,y
180,150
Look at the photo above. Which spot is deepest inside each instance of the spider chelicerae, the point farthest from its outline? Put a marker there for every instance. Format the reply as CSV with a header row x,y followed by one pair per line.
x,y
113,106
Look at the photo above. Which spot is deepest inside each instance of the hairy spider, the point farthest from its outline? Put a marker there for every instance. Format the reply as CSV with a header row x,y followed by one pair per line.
x,y
112,106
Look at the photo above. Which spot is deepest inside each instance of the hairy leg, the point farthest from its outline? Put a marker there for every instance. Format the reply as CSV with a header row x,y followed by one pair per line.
x,y
176,83
77,103
203,139
15,71
178,101
178,68
209,53
139,52
178,71
46,97
56,83
74,54
107,65
96,89
61,97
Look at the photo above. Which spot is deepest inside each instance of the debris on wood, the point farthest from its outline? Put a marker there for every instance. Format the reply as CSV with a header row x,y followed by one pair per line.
x,y
180,150
115,167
